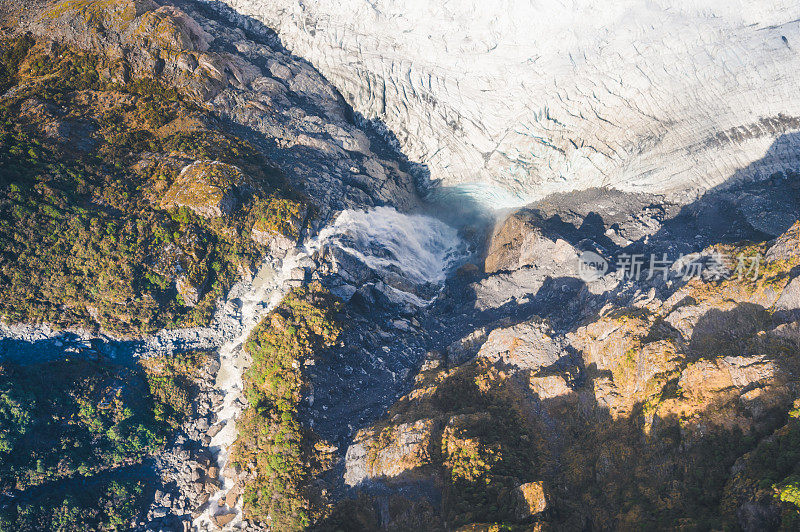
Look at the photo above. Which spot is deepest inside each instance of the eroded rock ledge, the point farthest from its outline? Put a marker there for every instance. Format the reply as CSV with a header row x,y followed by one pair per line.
x,y
608,402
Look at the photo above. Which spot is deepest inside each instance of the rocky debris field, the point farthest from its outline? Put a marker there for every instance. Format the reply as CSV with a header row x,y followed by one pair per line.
x,y
187,475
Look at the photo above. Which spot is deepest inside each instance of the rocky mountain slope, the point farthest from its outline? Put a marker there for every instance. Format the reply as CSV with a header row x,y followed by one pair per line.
x,y
553,401
147,165
150,91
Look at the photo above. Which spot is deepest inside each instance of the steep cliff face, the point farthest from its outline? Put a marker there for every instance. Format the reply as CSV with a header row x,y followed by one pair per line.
x,y
537,97
674,406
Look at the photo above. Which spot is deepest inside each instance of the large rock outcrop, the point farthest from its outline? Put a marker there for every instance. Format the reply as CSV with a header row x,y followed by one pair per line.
x,y
519,241
209,188
394,453
598,411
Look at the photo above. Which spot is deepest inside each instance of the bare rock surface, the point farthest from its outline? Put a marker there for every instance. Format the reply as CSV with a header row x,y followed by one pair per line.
x,y
407,452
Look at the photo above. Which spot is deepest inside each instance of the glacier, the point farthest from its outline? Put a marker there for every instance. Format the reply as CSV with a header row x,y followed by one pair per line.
x,y
535,97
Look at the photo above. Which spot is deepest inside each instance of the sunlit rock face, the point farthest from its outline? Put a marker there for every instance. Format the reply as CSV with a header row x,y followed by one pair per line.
x,y
539,96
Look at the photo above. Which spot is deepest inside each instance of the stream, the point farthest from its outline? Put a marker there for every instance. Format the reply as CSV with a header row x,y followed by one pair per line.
x,y
407,257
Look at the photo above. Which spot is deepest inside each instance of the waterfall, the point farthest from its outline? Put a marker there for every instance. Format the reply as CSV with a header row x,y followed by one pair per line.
x,y
423,248
419,248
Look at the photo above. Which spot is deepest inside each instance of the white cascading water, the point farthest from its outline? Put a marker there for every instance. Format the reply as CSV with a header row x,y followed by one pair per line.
x,y
421,247
259,297
424,249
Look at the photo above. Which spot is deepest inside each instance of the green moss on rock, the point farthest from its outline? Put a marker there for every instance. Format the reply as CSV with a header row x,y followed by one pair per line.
x,y
99,226
281,456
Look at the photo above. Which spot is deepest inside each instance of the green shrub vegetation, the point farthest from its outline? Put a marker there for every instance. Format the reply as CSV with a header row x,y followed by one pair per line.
x,y
84,163
11,55
67,425
171,382
93,505
770,471
789,490
76,415
270,437
487,447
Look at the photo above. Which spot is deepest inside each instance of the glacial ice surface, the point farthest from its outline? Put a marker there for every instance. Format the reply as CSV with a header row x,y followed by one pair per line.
x,y
542,96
